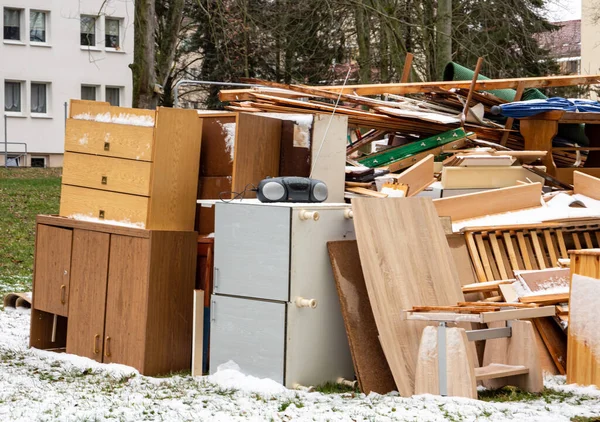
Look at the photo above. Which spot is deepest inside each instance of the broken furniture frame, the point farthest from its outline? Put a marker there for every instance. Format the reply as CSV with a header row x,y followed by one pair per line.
x,y
516,364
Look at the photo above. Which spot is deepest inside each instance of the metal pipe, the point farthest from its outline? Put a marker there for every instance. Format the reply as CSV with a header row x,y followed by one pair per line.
x,y
5,141
193,82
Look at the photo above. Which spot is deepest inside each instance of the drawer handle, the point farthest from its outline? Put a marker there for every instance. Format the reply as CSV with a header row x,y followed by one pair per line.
x,y
96,338
107,146
101,214
309,215
107,347
63,292
306,303
104,180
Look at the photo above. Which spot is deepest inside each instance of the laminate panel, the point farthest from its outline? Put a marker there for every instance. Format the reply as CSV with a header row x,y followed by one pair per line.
x,y
372,370
52,272
219,144
423,274
89,272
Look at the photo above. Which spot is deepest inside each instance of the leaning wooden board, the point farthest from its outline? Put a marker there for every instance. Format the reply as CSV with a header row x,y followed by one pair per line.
x,y
372,369
583,357
406,262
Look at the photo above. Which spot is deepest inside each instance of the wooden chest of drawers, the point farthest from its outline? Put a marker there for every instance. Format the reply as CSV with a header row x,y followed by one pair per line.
x,y
131,165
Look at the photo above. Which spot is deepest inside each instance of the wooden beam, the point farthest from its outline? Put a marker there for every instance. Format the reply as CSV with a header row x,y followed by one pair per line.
x,y
481,85
464,114
472,205
407,65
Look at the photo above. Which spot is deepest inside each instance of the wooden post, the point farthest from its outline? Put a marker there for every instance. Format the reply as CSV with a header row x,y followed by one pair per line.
x,y
463,116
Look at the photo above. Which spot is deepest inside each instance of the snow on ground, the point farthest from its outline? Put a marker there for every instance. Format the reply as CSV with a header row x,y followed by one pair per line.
x,y
45,386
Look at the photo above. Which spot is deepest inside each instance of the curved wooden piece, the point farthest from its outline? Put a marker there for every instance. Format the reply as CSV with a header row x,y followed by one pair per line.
x,y
522,350
538,135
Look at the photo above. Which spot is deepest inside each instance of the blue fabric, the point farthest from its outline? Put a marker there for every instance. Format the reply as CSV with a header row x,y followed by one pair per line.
x,y
532,107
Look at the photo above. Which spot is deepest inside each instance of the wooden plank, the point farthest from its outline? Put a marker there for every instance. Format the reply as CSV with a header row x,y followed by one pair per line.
x,y
588,240
198,333
218,146
551,249
524,251
475,258
598,237
539,253
124,141
498,304
460,254
130,209
486,177
410,225
576,241
498,255
53,246
555,340
106,173
493,371
509,293
457,309
514,263
418,177
257,146
480,85
561,244
406,69
442,316
484,258
462,207
587,185
545,299
176,160
89,273
372,370
485,286
367,192
524,313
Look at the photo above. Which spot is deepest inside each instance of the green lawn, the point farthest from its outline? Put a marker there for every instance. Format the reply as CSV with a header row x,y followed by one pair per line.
x,y
24,193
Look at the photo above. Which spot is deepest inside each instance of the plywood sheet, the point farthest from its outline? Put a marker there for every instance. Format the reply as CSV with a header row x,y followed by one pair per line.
x,y
218,146
406,262
460,254
294,160
372,369
257,147
496,201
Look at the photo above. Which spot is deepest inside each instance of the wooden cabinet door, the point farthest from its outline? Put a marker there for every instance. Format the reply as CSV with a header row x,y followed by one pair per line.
x,y
126,301
89,272
52,269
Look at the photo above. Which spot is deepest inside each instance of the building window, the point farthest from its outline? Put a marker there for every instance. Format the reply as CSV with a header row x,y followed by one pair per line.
x,y
88,30
39,98
88,92
12,24
12,96
113,96
37,26
112,33
38,162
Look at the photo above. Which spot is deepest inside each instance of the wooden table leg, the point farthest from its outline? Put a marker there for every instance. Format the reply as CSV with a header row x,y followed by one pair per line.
x,y
538,135
593,134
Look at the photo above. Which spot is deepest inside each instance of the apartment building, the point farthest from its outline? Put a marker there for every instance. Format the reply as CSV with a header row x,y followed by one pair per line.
x,y
53,51
590,39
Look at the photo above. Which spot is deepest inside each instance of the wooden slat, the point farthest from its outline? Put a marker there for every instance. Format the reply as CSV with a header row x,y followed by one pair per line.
x,y
524,313
498,256
524,252
598,237
411,225
551,249
555,340
561,244
576,241
493,371
588,240
539,253
485,286
545,299
510,250
484,258
459,309
462,207
479,270
498,304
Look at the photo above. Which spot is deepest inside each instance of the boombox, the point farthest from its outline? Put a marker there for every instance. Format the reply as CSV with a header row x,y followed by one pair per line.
x,y
291,189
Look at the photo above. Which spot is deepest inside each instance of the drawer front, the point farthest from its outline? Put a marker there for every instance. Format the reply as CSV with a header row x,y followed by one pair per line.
x,y
103,205
109,139
249,332
252,251
106,173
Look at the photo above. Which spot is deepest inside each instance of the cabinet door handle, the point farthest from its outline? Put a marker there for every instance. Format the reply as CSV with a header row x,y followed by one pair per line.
x,y
96,338
63,293
216,280
107,347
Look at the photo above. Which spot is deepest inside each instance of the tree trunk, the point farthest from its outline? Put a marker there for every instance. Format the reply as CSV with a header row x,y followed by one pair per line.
x,y
143,67
168,41
443,40
363,35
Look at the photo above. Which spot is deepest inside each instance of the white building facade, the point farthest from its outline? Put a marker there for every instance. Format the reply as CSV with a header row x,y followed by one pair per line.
x,y
590,39
53,51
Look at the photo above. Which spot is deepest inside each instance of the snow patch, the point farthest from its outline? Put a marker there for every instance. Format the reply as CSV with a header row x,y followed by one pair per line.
x,y
228,129
84,139
120,119
124,223
229,375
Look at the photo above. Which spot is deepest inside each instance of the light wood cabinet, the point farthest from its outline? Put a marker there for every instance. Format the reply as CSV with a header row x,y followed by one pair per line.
x,y
131,165
129,298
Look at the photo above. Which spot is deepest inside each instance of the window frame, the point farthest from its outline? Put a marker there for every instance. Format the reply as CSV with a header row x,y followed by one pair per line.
x,y
119,32
94,44
94,87
46,14
21,12
21,97
47,94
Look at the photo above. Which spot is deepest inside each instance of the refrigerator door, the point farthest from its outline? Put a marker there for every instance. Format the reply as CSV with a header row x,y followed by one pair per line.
x,y
250,333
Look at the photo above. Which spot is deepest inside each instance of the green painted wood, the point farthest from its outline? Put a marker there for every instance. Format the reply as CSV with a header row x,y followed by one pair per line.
x,y
404,151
